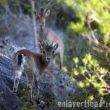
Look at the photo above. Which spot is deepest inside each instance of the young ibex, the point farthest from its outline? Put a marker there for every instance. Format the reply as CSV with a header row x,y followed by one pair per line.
x,y
49,35
32,63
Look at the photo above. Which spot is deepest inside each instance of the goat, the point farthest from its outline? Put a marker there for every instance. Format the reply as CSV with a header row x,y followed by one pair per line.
x,y
32,63
49,35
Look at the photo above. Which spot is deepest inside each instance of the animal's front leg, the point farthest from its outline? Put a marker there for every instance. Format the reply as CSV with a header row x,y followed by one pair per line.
x,y
37,87
31,97
61,59
15,86
30,77
36,82
31,91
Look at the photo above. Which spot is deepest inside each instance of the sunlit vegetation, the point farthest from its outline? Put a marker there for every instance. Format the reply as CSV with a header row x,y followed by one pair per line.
x,y
90,34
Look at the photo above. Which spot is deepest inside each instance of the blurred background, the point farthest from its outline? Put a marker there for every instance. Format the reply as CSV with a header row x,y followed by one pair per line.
x,y
83,25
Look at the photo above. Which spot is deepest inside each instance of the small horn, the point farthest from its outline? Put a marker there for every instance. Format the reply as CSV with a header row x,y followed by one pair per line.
x,y
46,43
52,43
41,11
41,42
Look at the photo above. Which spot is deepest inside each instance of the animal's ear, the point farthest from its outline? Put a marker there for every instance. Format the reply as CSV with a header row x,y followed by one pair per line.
x,y
40,46
36,14
55,46
47,12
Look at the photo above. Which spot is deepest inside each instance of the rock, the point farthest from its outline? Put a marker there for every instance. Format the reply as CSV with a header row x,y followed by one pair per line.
x,y
54,86
15,33
8,100
18,29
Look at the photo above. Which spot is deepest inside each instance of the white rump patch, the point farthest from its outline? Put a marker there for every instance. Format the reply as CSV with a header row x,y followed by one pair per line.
x,y
18,74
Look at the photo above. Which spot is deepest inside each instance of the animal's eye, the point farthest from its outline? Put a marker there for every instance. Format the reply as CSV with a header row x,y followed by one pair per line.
x,y
53,51
43,52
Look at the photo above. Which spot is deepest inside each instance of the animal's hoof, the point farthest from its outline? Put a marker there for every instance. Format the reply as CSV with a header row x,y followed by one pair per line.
x,y
31,102
42,103
14,90
34,97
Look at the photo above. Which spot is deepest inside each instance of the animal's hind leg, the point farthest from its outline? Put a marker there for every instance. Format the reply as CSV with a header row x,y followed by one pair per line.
x,y
61,59
37,87
36,82
17,77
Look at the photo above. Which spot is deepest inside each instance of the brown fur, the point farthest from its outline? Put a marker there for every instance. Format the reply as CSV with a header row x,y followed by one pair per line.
x,y
32,63
49,35
34,59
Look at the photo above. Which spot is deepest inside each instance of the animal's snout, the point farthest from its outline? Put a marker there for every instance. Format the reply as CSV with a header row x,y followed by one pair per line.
x,y
42,24
14,90
48,59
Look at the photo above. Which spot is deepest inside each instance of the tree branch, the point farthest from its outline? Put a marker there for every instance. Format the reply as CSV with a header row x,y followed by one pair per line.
x,y
34,23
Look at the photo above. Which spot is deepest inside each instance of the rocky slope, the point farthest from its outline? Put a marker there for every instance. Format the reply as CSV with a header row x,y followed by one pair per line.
x,y
54,85
17,33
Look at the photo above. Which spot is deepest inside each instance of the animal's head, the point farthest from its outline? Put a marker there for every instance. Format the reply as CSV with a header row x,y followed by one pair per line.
x,y
48,50
41,16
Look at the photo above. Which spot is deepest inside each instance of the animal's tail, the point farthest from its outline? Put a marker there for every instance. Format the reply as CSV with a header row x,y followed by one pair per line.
x,y
18,58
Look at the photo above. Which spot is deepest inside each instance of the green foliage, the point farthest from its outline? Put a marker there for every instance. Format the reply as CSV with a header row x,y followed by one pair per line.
x,y
76,27
74,46
4,2
69,3
76,60
90,70
91,76
98,10
91,97
16,3
26,8
26,97
81,84
27,106
64,69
